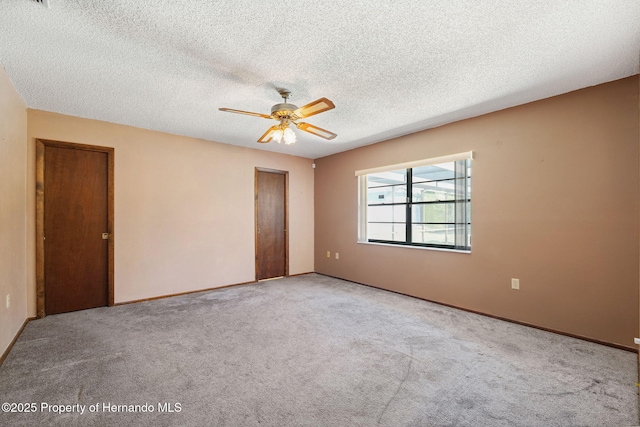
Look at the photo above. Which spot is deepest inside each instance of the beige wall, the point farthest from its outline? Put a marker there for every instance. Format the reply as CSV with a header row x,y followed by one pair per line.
x,y
555,204
13,155
184,208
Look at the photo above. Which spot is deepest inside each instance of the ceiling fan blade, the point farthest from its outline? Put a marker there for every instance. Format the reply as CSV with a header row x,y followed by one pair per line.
x,y
249,113
268,135
322,133
316,107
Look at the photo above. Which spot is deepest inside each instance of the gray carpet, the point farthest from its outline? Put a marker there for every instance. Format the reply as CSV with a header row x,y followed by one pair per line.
x,y
310,351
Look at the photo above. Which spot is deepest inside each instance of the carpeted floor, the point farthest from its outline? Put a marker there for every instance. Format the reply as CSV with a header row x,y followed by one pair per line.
x,y
309,351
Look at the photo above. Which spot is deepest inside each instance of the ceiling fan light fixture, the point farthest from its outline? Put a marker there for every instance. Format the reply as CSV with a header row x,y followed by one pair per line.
x,y
277,136
289,136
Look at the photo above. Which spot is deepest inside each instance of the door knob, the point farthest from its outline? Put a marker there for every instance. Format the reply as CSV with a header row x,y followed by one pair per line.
x,y
105,236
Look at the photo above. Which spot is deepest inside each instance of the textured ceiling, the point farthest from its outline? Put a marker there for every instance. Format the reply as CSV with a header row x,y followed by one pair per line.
x,y
391,68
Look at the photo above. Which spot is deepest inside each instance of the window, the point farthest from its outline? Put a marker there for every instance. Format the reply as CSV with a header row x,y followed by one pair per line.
x,y
424,203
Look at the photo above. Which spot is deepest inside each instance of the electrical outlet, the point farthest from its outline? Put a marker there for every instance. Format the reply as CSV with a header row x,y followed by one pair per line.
x,y
328,254
515,283
8,300
337,255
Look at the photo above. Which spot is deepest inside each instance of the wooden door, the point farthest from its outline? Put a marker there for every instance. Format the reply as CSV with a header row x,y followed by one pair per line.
x,y
271,220
76,214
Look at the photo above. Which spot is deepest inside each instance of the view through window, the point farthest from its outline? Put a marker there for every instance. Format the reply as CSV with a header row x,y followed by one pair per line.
x,y
427,205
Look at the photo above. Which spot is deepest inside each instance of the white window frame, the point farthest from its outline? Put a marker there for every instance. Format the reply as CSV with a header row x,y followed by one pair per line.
x,y
362,195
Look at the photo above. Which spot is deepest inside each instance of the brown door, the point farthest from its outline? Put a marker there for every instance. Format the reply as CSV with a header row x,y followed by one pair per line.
x,y
271,242
75,218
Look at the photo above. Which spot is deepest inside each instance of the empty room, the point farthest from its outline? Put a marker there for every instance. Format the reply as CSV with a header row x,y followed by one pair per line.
x,y
291,213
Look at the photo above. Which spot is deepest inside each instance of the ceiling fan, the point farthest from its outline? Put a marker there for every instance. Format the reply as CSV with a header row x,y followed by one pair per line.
x,y
288,114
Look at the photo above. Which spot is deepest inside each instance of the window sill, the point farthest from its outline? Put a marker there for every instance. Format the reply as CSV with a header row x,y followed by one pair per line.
x,y
414,247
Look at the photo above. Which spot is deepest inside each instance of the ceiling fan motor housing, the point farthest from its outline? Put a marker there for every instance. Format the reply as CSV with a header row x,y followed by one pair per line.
x,y
283,110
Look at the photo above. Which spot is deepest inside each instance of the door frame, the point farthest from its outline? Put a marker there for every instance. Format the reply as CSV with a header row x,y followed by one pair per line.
x,y
286,217
40,189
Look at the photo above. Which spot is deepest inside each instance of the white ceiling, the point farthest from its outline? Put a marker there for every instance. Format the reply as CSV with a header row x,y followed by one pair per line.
x,y
390,67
